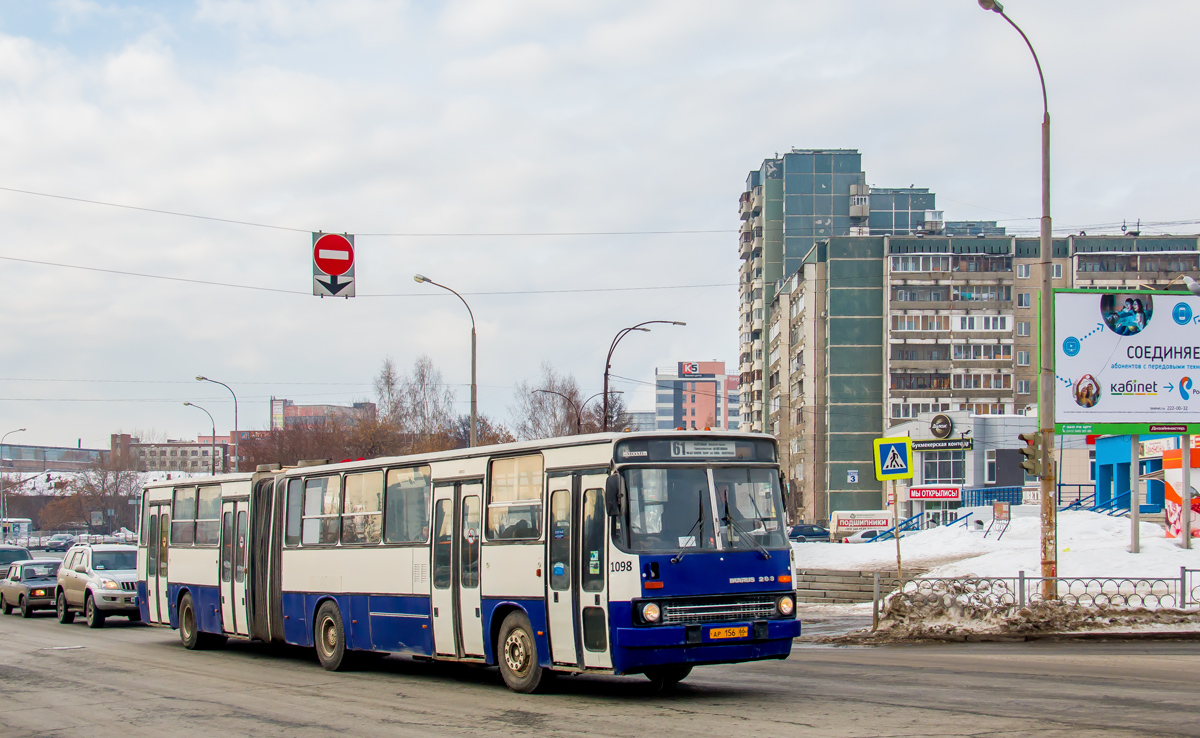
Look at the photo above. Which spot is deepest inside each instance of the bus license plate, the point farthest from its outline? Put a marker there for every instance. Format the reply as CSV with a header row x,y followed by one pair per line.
x,y
739,632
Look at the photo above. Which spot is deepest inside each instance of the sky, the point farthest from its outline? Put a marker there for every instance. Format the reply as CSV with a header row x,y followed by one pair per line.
x,y
437,126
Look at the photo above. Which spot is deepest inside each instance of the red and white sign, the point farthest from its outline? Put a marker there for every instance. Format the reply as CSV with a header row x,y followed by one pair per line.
x,y
333,264
333,254
848,520
935,493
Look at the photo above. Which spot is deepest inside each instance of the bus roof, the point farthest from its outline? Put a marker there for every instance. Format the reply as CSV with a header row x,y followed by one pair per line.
x,y
499,448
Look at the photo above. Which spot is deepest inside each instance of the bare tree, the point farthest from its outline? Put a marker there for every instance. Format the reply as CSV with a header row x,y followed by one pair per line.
x,y
427,409
618,415
547,414
388,397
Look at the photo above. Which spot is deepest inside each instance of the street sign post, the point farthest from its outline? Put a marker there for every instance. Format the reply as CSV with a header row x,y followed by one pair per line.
x,y
893,460
333,264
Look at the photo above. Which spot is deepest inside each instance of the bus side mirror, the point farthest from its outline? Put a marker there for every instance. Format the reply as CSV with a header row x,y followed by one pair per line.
x,y
614,496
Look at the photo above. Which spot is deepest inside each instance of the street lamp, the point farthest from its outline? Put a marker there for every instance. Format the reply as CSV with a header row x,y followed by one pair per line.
x,y
3,500
608,360
474,419
213,438
1045,342
578,408
237,459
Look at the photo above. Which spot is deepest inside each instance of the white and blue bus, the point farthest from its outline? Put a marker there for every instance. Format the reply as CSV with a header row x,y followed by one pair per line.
x,y
616,553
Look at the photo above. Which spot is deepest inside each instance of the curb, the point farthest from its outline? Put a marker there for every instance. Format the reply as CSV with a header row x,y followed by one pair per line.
x,y
1095,636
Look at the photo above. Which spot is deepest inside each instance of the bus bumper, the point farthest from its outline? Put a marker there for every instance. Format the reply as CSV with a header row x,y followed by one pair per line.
x,y
634,649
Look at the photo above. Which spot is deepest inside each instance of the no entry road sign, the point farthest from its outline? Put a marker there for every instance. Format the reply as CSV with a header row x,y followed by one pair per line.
x,y
333,258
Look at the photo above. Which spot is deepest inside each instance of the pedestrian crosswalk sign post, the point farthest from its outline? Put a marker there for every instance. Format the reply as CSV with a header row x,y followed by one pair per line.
x,y
893,458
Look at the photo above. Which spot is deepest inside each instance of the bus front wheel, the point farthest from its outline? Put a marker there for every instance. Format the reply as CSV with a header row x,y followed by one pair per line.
x,y
665,677
518,656
330,638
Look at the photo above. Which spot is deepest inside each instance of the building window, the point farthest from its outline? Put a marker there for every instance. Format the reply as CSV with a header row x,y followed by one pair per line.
x,y
1023,299
944,467
1022,358
983,323
990,471
1058,271
982,381
1023,328
1023,386
1022,271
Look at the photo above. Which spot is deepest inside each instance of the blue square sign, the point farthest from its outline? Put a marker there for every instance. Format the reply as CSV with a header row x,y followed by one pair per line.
x,y
893,458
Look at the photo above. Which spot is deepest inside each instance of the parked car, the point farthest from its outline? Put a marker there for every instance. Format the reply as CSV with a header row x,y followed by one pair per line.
x,y
98,579
862,536
59,542
10,553
29,586
802,533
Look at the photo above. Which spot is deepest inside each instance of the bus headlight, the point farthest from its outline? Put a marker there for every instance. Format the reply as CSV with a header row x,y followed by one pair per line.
x,y
786,605
651,612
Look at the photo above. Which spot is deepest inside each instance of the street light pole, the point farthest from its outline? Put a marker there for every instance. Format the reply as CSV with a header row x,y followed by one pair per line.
x,y
237,459
474,418
578,408
213,438
3,499
1046,340
613,347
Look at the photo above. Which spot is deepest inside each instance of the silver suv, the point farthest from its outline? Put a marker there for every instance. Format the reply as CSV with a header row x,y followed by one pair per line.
x,y
99,580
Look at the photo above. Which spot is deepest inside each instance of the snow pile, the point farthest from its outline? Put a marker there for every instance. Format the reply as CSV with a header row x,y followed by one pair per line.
x,y
1089,544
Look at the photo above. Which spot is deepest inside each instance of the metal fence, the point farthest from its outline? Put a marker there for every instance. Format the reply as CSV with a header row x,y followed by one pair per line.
x,y
1006,595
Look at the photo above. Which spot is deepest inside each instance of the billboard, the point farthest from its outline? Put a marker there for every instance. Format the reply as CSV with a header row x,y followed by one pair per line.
x,y
1126,362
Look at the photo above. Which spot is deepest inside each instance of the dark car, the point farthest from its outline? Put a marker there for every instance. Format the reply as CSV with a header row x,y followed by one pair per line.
x,y
10,553
802,533
29,585
59,542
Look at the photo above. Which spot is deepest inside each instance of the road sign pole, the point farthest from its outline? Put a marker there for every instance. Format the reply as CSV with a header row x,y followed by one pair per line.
x,y
896,515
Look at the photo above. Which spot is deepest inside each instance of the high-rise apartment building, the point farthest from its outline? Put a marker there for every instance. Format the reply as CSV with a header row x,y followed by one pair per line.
x,y
791,203
874,331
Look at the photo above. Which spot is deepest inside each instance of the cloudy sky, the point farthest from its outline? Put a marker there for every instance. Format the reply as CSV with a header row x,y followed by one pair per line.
x,y
490,117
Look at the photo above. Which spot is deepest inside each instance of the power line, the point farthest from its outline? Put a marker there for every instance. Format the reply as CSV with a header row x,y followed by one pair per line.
x,y
401,234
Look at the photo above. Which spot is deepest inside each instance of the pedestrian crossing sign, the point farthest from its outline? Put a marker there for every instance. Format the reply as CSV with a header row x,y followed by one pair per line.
x,y
893,458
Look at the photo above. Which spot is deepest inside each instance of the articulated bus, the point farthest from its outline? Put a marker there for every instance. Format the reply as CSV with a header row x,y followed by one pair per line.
x,y
615,553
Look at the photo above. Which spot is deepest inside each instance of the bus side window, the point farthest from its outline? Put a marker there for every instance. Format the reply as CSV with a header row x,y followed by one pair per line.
x,y
183,516
443,545
152,550
406,514
515,499
208,516
295,499
322,511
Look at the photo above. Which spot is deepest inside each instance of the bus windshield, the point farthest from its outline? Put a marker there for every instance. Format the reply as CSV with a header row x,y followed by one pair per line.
x,y
749,507
668,510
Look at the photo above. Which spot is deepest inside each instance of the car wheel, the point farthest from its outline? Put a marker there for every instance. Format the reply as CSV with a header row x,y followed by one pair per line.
x,y
189,631
330,637
65,616
800,539
665,677
5,606
518,656
92,614
26,610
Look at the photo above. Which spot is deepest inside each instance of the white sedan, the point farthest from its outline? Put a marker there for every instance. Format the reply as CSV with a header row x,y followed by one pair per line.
x,y
862,536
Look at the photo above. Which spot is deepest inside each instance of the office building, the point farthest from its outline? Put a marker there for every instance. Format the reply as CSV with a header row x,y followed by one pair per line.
x,y
695,395
29,458
286,414
171,455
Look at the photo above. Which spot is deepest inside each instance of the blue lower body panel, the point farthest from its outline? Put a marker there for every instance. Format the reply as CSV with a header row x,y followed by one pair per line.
x,y
390,623
534,609
205,599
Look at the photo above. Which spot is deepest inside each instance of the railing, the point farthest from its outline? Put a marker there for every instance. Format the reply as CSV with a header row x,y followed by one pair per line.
x,y
1072,496
985,496
909,524
962,520
1114,506
1006,595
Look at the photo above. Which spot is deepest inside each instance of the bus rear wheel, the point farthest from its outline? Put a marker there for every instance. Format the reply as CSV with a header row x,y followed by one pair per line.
x,y
330,638
665,677
518,656
189,631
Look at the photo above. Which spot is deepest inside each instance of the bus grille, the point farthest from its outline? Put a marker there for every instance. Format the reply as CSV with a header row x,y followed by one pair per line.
x,y
710,610
129,586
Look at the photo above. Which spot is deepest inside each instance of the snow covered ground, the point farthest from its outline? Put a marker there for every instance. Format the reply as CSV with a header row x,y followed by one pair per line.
x,y
1089,544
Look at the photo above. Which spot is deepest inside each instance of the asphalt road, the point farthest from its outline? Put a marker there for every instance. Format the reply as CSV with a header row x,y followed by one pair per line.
x,y
133,680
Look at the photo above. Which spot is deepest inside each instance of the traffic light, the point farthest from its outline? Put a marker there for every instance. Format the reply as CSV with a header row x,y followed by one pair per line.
x,y
1031,454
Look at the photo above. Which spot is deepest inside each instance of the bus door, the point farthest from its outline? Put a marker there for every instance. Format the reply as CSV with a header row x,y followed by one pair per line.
x,y
560,586
592,567
456,602
158,537
234,534
577,586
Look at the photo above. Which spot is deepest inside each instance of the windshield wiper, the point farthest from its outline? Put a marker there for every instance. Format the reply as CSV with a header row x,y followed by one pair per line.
x,y
729,521
699,521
